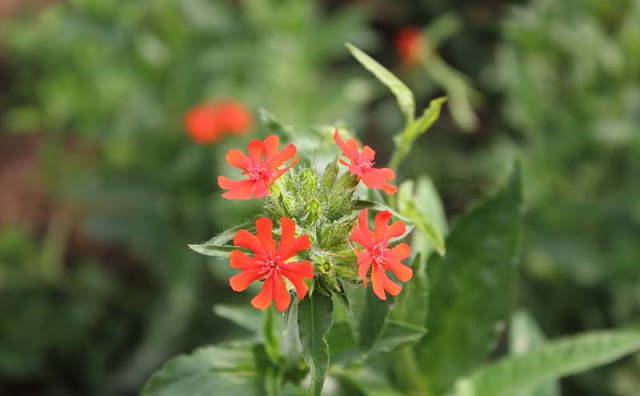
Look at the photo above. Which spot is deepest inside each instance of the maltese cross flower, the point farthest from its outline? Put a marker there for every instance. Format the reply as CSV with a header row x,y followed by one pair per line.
x,y
270,264
362,165
262,168
378,255
409,45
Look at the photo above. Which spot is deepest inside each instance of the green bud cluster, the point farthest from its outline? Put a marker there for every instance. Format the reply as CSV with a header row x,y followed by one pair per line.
x,y
322,205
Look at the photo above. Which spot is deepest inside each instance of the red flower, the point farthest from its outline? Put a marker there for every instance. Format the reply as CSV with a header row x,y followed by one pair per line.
x,y
409,45
234,117
362,165
208,123
261,173
378,255
203,125
271,264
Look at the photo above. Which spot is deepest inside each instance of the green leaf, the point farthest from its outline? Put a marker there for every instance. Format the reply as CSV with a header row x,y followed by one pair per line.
x,y
420,199
427,227
215,247
370,314
405,140
243,316
365,381
471,287
341,341
411,306
404,96
395,335
314,320
224,369
213,250
556,359
524,336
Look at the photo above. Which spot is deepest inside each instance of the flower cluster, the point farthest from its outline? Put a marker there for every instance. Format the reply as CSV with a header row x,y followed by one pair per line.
x,y
209,122
334,241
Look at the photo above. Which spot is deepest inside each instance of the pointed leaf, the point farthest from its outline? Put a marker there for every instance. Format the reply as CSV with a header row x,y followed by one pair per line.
x,y
243,316
395,335
213,250
314,320
471,287
524,336
420,199
554,360
404,96
412,304
223,369
405,140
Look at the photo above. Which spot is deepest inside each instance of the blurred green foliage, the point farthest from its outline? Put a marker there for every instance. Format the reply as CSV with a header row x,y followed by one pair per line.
x,y
571,79
108,82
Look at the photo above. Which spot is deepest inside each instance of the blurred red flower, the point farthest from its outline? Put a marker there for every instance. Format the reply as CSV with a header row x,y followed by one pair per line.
x,y
209,122
261,172
271,264
362,165
234,117
378,255
409,45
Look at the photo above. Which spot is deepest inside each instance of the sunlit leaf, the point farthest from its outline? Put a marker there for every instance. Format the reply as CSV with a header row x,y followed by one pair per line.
x,y
404,96
554,360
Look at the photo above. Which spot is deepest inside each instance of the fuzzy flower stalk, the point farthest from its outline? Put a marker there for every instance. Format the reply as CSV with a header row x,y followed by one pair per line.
x,y
314,235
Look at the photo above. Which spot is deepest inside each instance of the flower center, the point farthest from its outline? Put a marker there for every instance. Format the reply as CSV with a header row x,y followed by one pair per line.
x,y
363,163
270,263
379,250
257,172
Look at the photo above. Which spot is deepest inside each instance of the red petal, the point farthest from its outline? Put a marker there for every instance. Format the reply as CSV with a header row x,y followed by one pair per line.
x,y
350,149
389,188
271,144
237,158
247,240
357,170
277,159
241,281
394,230
402,272
276,174
377,279
377,178
261,188
241,261
241,189
364,262
256,150
361,233
296,272
263,299
391,287
280,294
399,252
289,244
381,225
362,237
264,228
290,249
368,154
